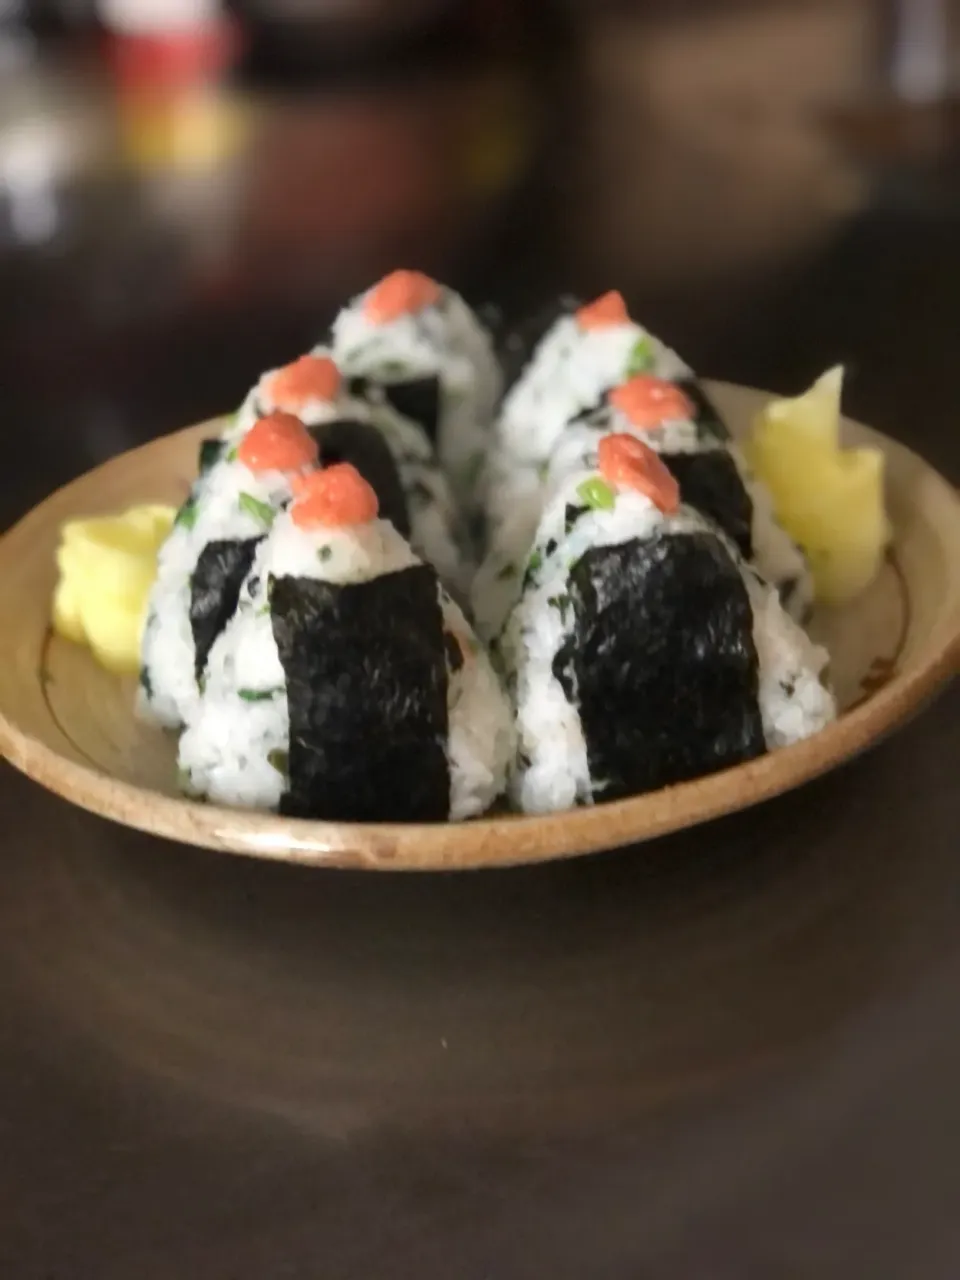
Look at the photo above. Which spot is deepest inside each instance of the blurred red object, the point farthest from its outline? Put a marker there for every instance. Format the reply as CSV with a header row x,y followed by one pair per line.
x,y
168,45
173,59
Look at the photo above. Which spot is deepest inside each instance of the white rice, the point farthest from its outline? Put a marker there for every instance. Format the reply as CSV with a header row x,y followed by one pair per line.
x,y
436,532
168,693
776,555
569,371
794,700
225,754
552,769
446,341
528,491
168,648
524,490
481,742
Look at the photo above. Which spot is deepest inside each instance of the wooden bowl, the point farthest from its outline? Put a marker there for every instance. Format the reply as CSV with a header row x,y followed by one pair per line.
x,y
70,725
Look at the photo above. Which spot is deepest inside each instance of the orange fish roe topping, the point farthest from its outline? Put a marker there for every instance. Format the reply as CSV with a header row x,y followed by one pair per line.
x,y
309,378
626,461
334,497
646,401
398,294
604,312
278,442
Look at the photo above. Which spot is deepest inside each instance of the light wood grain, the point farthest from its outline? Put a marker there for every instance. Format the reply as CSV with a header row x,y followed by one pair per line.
x,y
70,725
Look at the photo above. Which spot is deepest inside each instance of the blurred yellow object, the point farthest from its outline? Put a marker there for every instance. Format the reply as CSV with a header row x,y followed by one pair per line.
x,y
189,129
66,612
107,566
829,499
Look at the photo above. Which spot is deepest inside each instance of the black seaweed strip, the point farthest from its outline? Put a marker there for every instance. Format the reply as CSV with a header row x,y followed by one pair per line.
x,y
210,452
571,514
710,482
214,592
362,445
454,652
366,674
419,400
707,415
662,663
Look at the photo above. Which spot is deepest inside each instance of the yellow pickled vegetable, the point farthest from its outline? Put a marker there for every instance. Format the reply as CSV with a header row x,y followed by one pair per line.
x,y
829,499
66,612
107,566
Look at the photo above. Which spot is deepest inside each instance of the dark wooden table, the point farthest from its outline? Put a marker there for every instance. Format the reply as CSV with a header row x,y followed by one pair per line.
x,y
729,1055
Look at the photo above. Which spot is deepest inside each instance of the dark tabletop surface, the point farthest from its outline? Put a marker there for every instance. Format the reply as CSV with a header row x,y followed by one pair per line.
x,y
729,1055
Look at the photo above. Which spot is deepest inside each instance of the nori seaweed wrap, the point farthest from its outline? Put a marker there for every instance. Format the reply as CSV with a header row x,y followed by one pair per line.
x,y
711,483
363,445
572,368
204,561
676,420
209,454
419,399
348,685
326,398
432,359
706,415
366,677
662,662
214,591
642,650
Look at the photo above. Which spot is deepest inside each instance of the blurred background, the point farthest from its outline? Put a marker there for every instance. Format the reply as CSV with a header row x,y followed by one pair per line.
x,y
190,188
